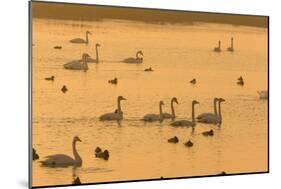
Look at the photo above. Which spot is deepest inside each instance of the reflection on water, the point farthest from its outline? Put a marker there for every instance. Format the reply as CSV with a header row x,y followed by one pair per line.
x,y
140,150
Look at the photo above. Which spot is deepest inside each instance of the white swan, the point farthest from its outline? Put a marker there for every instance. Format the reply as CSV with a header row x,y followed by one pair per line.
x,y
231,49
173,114
136,60
187,122
218,49
118,115
92,60
209,114
62,160
77,64
155,117
213,119
80,40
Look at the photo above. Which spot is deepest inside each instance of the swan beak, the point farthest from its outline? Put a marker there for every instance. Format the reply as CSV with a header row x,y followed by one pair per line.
x,y
124,98
222,100
79,140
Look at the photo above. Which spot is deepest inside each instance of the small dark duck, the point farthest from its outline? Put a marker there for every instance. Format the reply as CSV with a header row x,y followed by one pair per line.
x,y
188,144
64,89
173,139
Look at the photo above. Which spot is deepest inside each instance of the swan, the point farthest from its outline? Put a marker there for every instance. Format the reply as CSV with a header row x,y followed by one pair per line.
x,y
62,160
77,64
64,89
231,49
193,81
218,49
213,119
114,115
155,117
92,60
52,78
209,114
136,60
186,122
80,40
173,139
173,115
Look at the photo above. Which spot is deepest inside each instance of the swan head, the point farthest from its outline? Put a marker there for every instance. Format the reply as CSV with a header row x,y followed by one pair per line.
x,y
221,100
85,55
121,98
77,139
140,52
195,102
161,103
97,45
174,99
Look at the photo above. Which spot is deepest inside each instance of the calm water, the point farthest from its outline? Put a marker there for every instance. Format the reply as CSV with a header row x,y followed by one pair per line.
x,y
177,53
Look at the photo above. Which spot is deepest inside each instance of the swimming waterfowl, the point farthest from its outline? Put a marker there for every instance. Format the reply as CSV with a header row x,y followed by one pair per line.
x,y
209,114
193,81
218,49
148,69
213,119
78,64
114,116
62,160
104,155
173,114
98,150
208,133
188,143
173,139
137,60
35,156
52,78
231,49
92,60
64,89
187,123
80,40
240,82
76,181
155,117
113,81
57,47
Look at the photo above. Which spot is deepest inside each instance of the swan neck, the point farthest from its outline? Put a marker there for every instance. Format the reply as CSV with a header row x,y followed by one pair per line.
x,y
85,62
75,153
160,110
215,107
193,113
119,107
97,54
173,109
231,43
87,38
220,116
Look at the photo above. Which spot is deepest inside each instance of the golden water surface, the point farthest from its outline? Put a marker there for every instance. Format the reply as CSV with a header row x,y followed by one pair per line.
x,y
139,150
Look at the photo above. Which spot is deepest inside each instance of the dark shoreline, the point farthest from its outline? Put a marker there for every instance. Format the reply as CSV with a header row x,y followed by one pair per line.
x,y
67,11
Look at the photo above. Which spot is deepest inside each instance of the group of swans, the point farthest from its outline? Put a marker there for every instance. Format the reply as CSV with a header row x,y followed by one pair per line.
x,y
208,118
218,48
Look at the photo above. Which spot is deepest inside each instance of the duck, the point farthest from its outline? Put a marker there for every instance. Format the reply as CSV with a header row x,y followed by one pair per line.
x,y
148,69
35,156
208,133
64,89
57,47
188,144
52,78
193,81
76,181
240,82
103,155
173,140
113,81
62,160
98,150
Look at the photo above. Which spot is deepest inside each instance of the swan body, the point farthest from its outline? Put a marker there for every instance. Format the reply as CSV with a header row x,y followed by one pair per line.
x,y
213,119
92,60
218,49
155,117
136,60
114,115
186,123
80,40
231,49
62,160
173,114
78,64
209,114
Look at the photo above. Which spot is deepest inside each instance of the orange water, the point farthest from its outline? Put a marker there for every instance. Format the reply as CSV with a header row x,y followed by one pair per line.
x,y
177,53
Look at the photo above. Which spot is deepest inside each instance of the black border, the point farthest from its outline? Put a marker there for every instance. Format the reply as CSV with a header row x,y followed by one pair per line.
x,y
140,180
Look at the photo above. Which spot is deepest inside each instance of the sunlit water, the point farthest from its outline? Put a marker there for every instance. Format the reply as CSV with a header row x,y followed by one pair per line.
x,y
177,53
